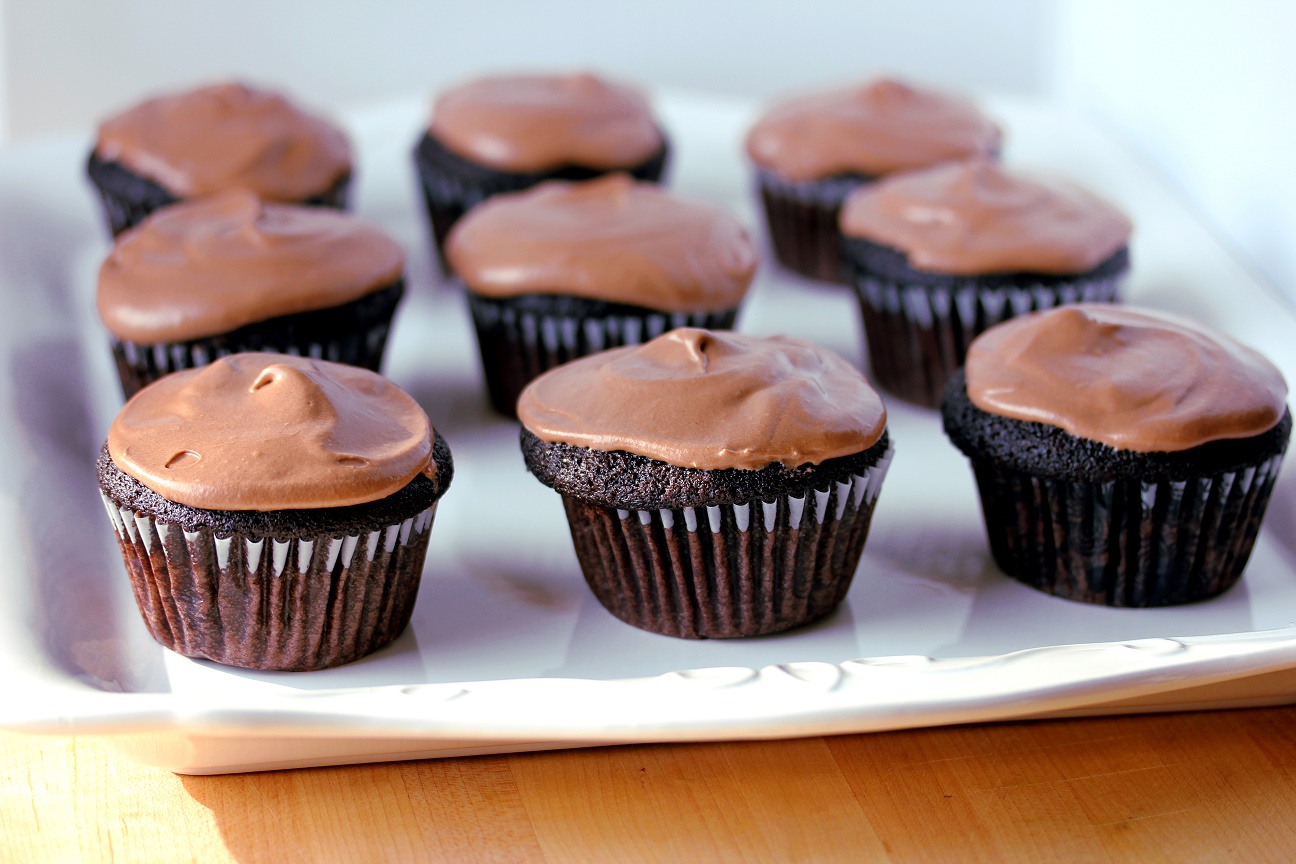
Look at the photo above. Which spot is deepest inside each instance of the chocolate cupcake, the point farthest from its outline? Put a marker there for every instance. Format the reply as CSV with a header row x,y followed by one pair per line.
x,y
1124,457
717,485
226,274
273,512
567,269
811,152
939,255
505,134
225,136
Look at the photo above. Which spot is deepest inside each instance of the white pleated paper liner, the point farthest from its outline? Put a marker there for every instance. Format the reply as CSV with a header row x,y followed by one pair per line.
x,y
729,570
802,220
288,605
918,335
354,333
1127,542
518,344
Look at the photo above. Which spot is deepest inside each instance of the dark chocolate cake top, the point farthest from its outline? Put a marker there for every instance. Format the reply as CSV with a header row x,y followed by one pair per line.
x,y
711,400
1128,378
272,432
975,217
529,123
613,239
874,129
227,136
213,265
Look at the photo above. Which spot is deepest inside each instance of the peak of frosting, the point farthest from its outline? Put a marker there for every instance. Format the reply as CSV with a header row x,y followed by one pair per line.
x,y
610,239
215,264
975,217
227,136
1130,379
272,432
874,129
528,123
711,400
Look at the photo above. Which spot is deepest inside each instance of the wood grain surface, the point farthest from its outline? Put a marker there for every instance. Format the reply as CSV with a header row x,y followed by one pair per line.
x,y
1212,786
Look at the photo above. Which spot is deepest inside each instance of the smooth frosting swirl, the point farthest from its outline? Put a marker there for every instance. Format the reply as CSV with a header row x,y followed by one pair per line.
x,y
1131,379
875,129
227,136
528,123
272,432
610,239
210,266
974,217
711,400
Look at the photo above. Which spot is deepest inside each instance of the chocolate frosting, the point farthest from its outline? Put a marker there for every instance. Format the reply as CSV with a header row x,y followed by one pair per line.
x,y
210,266
1131,379
528,123
974,217
875,129
610,239
712,400
272,432
227,136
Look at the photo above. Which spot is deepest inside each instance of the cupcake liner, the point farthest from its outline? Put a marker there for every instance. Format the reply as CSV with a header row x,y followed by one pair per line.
x,y
127,197
918,335
1125,542
453,185
742,569
354,333
291,604
518,344
802,220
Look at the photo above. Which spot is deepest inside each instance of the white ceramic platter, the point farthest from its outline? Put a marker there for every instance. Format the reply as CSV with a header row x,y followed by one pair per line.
x,y
508,650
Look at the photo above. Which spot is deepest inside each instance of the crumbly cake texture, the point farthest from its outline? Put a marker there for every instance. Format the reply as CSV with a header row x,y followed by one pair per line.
x,y
125,491
354,333
521,337
1049,451
128,197
1086,522
714,554
628,481
452,185
293,590
918,324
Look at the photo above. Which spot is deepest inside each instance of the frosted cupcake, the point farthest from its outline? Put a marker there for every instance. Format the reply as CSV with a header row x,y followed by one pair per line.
x,y
273,512
810,152
182,146
939,255
203,279
508,133
567,269
1124,457
717,485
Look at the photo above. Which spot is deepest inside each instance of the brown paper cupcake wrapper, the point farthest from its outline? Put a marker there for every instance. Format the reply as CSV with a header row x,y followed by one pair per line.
x,y
730,570
918,335
1125,543
802,220
288,605
517,345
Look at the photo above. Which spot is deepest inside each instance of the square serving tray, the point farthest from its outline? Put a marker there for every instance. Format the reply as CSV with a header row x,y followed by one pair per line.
x,y
508,651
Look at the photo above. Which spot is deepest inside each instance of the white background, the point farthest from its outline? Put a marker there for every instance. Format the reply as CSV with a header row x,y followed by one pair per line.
x,y
1204,90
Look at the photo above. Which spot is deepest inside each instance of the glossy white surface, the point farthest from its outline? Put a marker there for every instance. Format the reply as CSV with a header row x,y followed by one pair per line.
x,y
508,650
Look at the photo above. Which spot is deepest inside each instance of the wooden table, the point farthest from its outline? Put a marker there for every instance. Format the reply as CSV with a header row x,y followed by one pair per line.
x,y
1178,787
